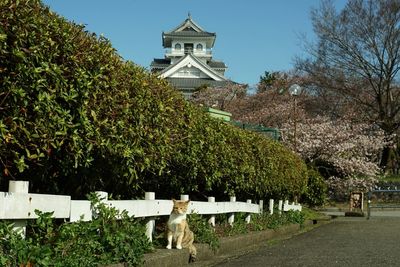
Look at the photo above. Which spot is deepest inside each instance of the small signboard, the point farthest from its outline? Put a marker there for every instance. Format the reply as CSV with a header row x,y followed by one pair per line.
x,y
356,201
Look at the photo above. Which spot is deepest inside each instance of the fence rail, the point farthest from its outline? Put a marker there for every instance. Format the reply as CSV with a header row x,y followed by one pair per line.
x,y
18,204
383,204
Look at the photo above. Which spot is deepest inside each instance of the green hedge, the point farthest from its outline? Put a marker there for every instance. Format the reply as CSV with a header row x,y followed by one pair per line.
x,y
75,118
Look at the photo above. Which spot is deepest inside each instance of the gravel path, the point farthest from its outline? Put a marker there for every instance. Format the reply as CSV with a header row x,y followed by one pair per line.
x,y
344,242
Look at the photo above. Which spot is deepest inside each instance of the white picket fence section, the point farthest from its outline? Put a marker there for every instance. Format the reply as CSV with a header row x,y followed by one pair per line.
x,y
19,205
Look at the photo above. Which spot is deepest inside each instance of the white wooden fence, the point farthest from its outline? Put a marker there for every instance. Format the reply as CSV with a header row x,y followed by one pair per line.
x,y
19,205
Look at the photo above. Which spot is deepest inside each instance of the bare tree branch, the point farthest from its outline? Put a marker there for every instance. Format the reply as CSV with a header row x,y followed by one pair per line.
x,y
357,57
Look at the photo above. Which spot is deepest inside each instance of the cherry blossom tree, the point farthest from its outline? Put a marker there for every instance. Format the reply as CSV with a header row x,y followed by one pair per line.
x,y
272,105
345,150
335,140
347,154
218,97
356,58
349,149
267,108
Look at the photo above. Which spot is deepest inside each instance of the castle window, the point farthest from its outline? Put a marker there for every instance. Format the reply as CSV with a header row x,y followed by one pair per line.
x,y
199,47
178,46
188,48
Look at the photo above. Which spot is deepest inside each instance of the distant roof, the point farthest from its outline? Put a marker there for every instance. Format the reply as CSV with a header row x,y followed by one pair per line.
x,y
188,24
162,60
192,83
189,34
190,29
160,63
216,64
193,60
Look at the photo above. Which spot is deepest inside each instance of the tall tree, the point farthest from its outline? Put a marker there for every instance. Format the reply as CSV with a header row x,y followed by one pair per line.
x,y
266,81
357,57
270,106
218,97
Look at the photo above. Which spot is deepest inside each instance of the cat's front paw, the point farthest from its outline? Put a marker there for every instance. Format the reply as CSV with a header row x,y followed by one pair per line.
x,y
169,247
178,247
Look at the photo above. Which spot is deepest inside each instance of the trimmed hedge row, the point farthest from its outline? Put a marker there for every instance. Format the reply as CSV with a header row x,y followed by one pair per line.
x,y
75,118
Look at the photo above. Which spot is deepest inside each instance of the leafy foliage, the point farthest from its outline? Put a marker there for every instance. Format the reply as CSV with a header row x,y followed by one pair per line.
x,y
203,231
104,240
76,118
316,193
274,221
258,222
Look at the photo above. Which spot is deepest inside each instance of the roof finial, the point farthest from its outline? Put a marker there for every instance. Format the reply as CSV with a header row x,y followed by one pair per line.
x,y
189,15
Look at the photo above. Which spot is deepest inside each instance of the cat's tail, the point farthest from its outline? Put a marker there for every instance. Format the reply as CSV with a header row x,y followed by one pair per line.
x,y
192,252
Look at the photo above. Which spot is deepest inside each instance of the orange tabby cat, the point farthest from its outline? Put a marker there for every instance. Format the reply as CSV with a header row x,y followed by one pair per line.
x,y
178,228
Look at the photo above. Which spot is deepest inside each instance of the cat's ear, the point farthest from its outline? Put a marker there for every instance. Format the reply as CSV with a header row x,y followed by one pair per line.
x,y
187,201
174,200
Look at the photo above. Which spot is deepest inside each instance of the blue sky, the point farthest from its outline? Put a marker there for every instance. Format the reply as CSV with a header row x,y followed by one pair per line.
x,y
253,36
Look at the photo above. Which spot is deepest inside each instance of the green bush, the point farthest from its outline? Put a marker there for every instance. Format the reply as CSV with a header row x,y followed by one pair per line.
x,y
76,118
258,222
238,227
203,231
104,240
316,193
265,220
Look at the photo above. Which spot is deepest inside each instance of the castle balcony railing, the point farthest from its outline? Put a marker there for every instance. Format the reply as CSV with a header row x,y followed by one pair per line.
x,y
178,53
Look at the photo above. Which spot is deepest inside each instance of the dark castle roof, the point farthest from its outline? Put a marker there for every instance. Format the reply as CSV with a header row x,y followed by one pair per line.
x,y
188,29
192,83
161,63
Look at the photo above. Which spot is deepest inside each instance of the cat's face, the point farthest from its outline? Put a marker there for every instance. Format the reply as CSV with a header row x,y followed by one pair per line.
x,y
180,206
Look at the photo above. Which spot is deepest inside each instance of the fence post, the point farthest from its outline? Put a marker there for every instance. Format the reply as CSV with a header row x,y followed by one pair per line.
x,y
271,206
185,197
231,217
285,204
280,206
248,217
212,217
103,196
151,223
261,206
369,205
19,187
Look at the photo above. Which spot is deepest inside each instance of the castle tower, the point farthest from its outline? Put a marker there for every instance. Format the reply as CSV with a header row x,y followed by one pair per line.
x,y
188,62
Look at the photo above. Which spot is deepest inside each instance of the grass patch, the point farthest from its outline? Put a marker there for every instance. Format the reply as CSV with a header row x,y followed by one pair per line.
x,y
310,214
390,178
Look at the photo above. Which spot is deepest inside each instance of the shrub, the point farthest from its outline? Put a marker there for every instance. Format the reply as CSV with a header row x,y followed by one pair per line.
x,y
258,222
203,231
276,220
316,193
